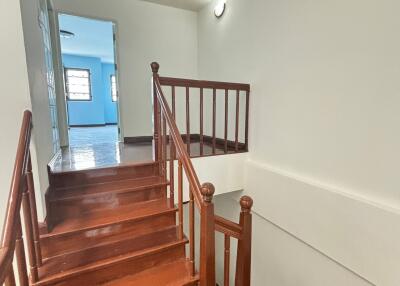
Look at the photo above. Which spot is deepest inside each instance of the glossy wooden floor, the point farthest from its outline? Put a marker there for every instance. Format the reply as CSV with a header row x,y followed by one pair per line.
x,y
97,147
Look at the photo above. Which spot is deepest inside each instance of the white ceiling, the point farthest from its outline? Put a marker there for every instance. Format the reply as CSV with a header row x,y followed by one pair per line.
x,y
194,5
92,37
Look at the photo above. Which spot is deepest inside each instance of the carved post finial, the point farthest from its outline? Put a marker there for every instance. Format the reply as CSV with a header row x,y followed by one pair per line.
x,y
155,67
246,203
207,190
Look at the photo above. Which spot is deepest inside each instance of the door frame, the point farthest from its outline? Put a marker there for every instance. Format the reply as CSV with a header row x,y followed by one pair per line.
x,y
60,70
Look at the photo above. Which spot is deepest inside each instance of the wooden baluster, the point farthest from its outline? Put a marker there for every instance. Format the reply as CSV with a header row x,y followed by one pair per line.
x,y
35,223
164,145
173,101
227,253
201,122
10,279
243,262
237,122
187,120
226,122
155,67
191,230
20,255
171,170
214,120
247,122
159,127
180,198
29,236
207,239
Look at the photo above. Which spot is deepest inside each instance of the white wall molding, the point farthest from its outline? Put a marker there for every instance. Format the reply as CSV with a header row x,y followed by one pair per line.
x,y
356,232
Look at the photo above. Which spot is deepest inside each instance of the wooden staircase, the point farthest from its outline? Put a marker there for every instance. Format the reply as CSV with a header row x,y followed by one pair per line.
x,y
122,225
112,226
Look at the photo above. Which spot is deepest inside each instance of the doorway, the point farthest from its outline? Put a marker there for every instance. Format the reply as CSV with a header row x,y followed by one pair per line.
x,y
88,56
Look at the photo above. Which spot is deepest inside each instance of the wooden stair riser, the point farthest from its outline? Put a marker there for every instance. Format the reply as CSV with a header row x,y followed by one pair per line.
x,y
103,175
61,209
103,273
62,243
111,249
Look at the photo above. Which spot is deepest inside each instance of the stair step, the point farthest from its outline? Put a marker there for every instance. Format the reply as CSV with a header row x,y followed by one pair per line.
x,y
54,244
102,175
116,246
93,190
176,273
112,268
126,213
78,201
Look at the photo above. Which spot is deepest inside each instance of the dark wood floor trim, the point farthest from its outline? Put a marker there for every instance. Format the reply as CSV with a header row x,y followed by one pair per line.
x,y
194,138
138,139
92,125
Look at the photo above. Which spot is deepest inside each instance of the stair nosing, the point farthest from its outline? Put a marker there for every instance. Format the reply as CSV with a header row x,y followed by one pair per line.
x,y
154,214
118,166
54,278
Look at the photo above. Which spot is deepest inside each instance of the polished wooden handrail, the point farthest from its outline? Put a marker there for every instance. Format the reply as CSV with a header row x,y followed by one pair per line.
x,y
201,195
171,81
21,190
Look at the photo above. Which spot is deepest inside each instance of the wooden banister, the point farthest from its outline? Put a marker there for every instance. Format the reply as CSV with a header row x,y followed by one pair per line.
x,y
171,81
242,232
200,196
21,190
226,144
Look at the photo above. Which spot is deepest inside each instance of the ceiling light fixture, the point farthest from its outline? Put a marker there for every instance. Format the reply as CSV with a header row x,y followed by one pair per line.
x,y
219,8
66,34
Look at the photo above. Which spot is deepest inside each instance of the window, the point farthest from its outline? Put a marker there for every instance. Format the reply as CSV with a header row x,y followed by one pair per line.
x,y
77,83
113,89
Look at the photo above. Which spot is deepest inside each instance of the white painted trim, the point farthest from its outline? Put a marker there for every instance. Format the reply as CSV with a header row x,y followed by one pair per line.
x,y
356,232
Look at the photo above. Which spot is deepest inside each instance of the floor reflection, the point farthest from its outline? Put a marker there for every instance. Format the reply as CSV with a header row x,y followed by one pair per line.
x,y
97,147
94,147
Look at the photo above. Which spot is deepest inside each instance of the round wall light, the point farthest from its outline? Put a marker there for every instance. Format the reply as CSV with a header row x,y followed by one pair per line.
x,y
219,8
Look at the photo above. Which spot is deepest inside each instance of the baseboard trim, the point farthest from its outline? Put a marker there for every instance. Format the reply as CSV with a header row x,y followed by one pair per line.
x,y
92,125
194,138
138,139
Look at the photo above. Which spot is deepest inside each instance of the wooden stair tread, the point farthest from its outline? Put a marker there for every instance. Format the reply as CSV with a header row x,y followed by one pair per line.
x,y
115,247
118,215
48,278
108,187
176,273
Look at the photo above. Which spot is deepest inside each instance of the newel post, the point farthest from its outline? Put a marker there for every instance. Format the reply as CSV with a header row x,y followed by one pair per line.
x,y
207,239
156,113
243,262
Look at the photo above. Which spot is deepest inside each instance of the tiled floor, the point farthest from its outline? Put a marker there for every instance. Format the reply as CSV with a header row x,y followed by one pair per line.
x,y
96,147
81,136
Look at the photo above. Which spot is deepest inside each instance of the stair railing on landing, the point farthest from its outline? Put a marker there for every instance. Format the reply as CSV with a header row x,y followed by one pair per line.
x,y
167,136
21,193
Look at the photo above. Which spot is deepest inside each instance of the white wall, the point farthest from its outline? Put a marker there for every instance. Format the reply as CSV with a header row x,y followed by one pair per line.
x,y
14,92
323,142
146,32
284,260
42,130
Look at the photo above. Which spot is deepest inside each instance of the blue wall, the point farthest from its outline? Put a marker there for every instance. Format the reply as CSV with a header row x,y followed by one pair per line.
x,y
110,107
100,110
